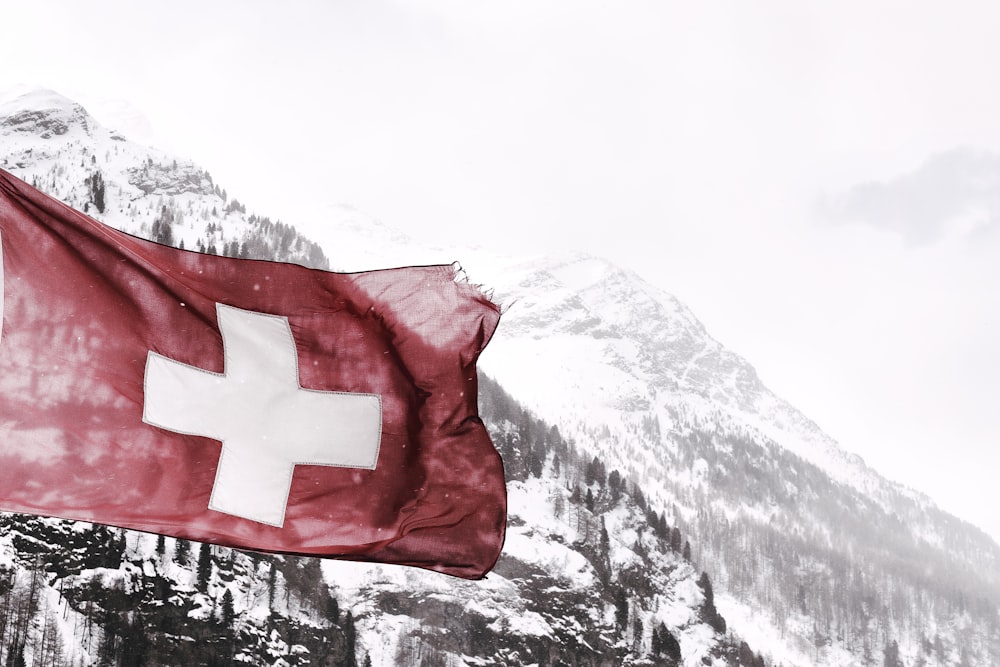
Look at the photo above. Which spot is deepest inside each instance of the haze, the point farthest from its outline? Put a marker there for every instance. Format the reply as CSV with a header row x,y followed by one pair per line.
x,y
820,183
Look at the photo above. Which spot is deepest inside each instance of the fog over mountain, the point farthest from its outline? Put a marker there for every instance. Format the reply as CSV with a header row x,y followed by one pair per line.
x,y
666,507
693,143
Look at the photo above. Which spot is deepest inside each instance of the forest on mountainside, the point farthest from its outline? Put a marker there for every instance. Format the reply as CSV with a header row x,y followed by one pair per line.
x,y
74,593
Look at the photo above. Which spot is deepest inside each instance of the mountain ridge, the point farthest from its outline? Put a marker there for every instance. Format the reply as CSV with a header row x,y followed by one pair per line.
x,y
810,548
626,368
138,599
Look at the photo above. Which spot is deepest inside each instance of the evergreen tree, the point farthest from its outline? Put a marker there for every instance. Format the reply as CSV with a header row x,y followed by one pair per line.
x,y
350,641
708,611
602,563
162,230
332,610
535,462
675,539
662,531
16,657
665,645
891,654
621,608
638,497
182,554
671,647
204,567
135,644
595,473
96,190
615,485
272,576
228,615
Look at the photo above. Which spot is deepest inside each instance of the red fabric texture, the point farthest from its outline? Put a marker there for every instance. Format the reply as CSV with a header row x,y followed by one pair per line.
x,y
84,304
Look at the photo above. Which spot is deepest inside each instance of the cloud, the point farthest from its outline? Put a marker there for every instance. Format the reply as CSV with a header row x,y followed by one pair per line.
x,y
955,193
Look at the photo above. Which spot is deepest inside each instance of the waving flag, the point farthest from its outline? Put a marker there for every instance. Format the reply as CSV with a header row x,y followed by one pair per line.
x,y
246,403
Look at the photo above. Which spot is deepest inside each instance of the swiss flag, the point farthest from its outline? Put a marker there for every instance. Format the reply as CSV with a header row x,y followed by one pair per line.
x,y
247,403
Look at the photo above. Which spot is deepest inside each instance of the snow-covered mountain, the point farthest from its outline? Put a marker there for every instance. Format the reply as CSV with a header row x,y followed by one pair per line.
x,y
79,594
839,560
54,144
814,552
654,435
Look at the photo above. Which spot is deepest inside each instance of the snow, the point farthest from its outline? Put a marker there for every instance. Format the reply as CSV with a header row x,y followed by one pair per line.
x,y
581,342
67,621
18,99
553,557
527,624
758,631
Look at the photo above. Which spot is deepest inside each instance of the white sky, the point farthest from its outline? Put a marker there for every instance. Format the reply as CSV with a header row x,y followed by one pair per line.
x,y
820,182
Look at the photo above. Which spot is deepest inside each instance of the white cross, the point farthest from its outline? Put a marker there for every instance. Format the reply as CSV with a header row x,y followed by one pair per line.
x,y
267,423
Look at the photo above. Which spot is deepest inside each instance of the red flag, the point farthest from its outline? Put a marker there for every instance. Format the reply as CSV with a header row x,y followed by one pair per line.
x,y
246,403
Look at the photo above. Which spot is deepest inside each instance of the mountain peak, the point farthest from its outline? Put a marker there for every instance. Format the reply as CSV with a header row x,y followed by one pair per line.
x,y
811,553
44,113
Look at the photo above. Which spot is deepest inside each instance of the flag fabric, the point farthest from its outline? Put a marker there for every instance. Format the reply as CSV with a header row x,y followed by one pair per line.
x,y
246,403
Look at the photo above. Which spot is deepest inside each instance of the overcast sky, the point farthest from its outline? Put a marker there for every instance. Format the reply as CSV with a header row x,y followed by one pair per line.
x,y
819,182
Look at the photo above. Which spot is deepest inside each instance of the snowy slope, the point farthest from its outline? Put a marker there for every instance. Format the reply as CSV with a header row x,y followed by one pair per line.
x,y
630,373
54,144
815,555
554,593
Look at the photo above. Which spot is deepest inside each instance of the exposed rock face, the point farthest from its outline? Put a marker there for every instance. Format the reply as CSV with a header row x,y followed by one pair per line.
x,y
661,454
